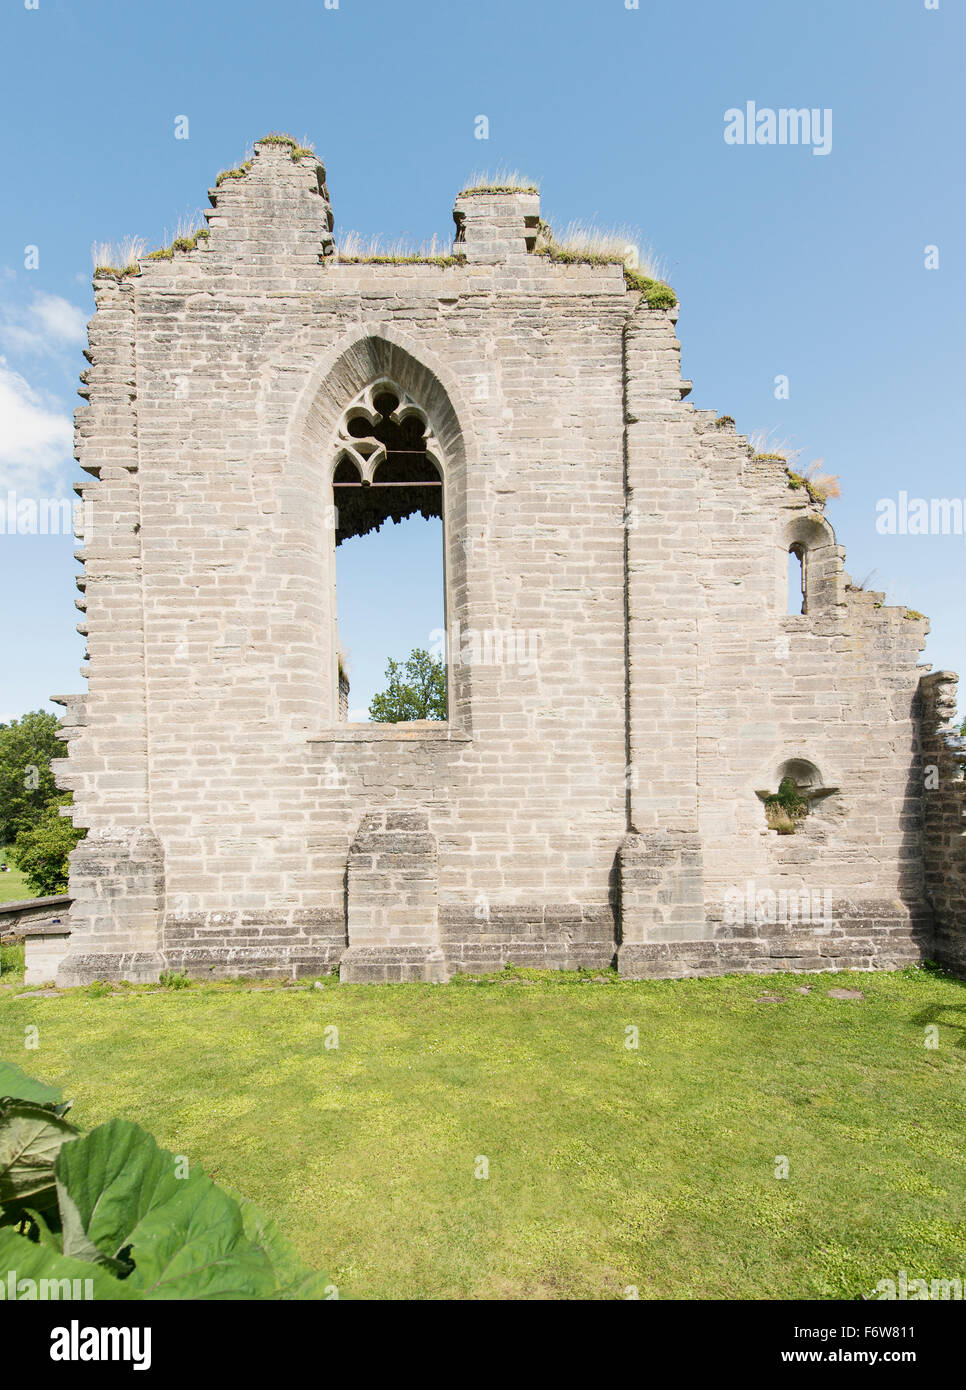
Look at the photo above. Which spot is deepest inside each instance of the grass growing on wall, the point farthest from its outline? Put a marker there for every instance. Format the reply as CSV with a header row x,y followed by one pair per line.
x,y
180,243
118,258
583,243
355,249
500,180
608,1166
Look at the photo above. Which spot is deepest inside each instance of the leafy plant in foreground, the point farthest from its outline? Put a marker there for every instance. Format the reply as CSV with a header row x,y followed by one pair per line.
x,y
112,1207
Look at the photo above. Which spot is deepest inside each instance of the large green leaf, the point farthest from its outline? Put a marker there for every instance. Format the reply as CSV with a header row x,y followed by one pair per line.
x,y
78,1245
197,1248
121,1194
293,1280
25,1259
17,1085
31,1136
116,1177
35,1224
45,1226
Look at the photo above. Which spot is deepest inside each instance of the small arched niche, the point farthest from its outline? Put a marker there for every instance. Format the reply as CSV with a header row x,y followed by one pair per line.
x,y
804,774
799,787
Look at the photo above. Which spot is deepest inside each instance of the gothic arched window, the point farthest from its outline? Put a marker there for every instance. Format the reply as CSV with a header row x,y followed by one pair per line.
x,y
387,469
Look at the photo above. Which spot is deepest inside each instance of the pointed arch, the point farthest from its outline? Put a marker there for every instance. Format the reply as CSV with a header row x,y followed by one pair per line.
x,y
344,387
363,358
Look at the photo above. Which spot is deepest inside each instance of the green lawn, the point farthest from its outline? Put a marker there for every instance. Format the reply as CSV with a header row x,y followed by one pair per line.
x,y
13,885
608,1167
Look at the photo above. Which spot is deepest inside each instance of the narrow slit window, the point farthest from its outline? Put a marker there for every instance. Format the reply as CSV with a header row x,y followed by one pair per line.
x,y
796,578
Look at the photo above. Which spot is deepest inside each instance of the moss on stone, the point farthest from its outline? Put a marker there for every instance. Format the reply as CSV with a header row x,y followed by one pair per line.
x,y
563,255
656,294
238,172
163,253
724,422
402,260
816,494
483,188
117,272
180,243
279,138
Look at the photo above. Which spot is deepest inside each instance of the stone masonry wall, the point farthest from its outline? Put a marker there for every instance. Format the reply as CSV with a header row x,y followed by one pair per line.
x,y
246,353
726,688
624,680
944,779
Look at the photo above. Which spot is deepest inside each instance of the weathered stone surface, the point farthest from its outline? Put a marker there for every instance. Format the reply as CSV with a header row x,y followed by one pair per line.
x,y
26,915
624,680
943,764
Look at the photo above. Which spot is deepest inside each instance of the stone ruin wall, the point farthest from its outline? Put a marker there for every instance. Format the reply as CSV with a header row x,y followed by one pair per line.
x,y
943,757
602,793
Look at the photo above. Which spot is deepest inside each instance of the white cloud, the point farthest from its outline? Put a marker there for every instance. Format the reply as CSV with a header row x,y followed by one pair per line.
x,y
63,321
36,434
48,324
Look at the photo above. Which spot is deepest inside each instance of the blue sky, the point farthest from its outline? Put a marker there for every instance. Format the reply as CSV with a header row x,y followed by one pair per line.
x,y
785,262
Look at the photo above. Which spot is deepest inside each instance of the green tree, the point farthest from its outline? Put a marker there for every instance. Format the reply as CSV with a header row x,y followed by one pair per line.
x,y
27,747
416,690
41,851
